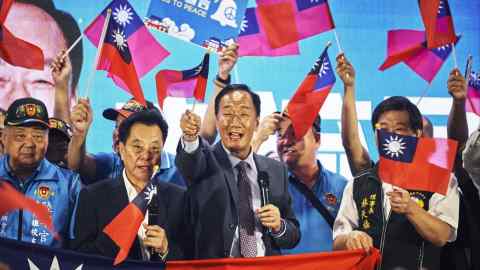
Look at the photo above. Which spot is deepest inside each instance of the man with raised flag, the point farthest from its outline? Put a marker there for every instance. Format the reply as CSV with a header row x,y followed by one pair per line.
x,y
135,223
408,226
128,51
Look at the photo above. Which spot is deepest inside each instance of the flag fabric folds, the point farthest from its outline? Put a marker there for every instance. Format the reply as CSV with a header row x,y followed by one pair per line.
x,y
21,255
473,93
311,17
184,83
438,22
253,39
414,163
124,227
15,51
410,47
13,200
310,95
129,50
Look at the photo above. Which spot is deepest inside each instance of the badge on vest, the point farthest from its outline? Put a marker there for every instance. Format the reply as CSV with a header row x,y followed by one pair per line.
x,y
44,192
330,198
419,198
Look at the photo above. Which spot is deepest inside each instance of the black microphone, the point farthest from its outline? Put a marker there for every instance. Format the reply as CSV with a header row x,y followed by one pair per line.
x,y
264,183
153,213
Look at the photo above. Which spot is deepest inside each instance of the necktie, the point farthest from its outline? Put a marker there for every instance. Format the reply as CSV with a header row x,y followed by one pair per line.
x,y
248,243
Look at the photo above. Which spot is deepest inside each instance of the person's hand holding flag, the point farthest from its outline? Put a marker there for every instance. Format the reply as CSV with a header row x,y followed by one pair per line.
x,y
457,86
345,71
227,60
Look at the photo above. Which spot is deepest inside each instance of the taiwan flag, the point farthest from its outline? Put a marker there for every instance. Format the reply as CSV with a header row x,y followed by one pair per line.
x,y
183,83
415,163
16,51
129,50
473,93
253,40
310,95
311,17
428,62
438,22
124,227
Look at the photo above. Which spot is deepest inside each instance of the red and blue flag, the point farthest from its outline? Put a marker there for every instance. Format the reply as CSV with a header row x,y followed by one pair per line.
x,y
253,39
183,83
124,227
310,95
311,17
473,93
415,163
438,22
129,50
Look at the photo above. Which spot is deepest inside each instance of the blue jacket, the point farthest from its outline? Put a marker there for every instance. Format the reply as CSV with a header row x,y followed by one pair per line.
x,y
316,233
55,187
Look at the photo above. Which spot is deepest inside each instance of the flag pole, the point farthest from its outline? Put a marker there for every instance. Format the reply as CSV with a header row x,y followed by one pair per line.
x,y
424,93
338,41
74,44
99,52
193,105
454,55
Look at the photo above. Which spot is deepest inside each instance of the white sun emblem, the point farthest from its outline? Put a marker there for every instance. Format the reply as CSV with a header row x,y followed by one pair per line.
x,y
441,5
54,266
323,68
394,146
123,15
150,191
120,39
243,25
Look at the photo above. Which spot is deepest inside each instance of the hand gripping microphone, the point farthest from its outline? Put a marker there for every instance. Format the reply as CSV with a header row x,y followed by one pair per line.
x,y
264,183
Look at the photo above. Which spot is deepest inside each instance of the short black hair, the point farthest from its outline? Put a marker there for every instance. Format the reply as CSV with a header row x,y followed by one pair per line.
x,y
71,31
149,118
237,87
398,103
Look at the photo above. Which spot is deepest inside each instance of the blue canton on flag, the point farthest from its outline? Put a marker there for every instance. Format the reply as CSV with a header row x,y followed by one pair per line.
x,y
474,80
249,24
306,4
323,68
396,147
443,9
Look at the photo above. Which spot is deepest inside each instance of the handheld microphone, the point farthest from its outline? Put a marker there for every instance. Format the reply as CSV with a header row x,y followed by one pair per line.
x,y
153,214
264,183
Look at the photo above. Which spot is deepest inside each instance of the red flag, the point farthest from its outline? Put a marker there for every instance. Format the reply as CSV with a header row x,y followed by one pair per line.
x,y
124,227
416,163
438,22
278,21
12,200
184,83
402,44
337,260
310,96
15,51
129,50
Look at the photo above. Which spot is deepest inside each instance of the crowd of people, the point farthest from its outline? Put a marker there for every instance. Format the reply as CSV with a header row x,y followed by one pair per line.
x,y
211,191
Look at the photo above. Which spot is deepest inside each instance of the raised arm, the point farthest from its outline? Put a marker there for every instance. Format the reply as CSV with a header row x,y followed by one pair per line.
x,y
226,63
457,119
267,127
62,73
78,159
358,157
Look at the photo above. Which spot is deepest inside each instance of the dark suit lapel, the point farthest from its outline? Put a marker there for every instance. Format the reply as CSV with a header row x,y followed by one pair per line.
x,y
227,169
162,200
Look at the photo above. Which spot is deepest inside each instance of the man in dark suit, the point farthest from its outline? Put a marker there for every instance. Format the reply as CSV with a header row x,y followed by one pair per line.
x,y
225,209
141,141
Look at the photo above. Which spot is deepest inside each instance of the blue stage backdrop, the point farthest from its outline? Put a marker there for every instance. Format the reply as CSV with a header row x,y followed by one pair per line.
x,y
362,27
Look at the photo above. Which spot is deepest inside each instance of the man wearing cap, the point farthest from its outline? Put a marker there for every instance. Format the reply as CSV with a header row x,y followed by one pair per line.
x,y
25,167
58,138
95,167
316,192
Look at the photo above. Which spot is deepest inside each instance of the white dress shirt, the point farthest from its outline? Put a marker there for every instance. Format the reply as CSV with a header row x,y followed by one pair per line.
x,y
446,208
